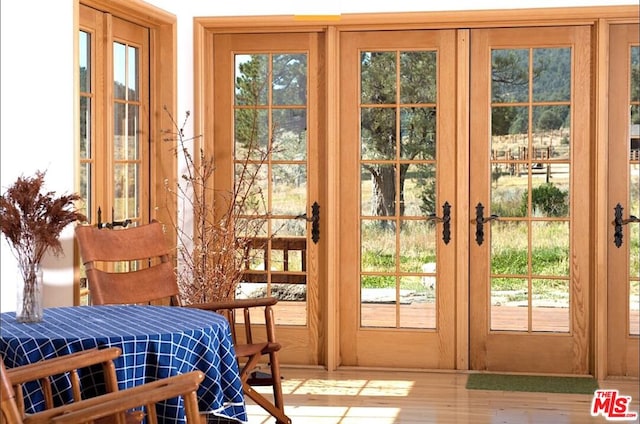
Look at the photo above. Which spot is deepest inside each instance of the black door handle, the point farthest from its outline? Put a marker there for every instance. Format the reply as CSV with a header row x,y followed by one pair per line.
x,y
618,222
480,221
111,225
314,220
446,221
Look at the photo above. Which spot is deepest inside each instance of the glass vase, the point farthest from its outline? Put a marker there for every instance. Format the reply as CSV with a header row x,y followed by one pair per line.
x,y
29,307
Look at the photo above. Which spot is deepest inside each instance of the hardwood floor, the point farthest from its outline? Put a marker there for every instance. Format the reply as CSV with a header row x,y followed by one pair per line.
x,y
315,396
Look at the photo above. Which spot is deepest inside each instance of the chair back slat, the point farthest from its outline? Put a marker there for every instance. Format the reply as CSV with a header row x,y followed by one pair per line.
x,y
127,244
128,266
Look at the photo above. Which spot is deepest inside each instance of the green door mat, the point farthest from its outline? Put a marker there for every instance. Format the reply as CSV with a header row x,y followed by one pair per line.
x,y
532,383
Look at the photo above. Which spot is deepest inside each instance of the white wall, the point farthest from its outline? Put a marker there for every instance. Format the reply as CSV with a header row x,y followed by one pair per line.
x,y
37,122
37,89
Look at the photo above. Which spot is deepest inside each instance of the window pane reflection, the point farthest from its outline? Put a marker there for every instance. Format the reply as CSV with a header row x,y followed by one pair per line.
x,y
378,76
378,246
378,301
550,305
509,304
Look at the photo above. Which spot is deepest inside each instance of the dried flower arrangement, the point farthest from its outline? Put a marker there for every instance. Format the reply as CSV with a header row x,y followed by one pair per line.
x,y
212,256
31,221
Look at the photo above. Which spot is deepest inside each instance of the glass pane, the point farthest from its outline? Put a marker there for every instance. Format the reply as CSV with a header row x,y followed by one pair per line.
x,y
277,259
288,254
509,189
378,190
418,83
418,194
550,305
634,130
509,75
119,129
289,79
254,227
126,195
552,74
132,76
378,246
125,132
634,189
549,199
551,132
257,260
289,134
289,189
85,127
378,133
417,304
378,298
84,51
251,134
119,71
509,128
251,79
509,304
85,190
288,227
418,133
418,247
550,248
130,149
509,248
378,75
635,75
251,180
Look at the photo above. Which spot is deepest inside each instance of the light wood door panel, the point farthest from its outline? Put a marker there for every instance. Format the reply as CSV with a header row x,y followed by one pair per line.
x,y
397,162
266,95
624,190
529,273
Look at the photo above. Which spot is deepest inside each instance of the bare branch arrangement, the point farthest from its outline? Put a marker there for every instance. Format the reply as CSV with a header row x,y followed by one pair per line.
x,y
213,255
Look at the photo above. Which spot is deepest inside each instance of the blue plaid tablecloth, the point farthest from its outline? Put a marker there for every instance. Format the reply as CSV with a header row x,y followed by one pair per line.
x,y
156,342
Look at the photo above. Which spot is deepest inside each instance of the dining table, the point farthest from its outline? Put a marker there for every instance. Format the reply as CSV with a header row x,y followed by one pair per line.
x,y
156,342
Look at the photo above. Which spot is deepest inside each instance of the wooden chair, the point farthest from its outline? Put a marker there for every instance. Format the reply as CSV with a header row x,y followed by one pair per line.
x,y
44,371
100,249
113,407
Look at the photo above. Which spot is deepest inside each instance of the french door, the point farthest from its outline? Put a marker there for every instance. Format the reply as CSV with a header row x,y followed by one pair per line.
x,y
624,201
397,164
530,149
524,241
265,144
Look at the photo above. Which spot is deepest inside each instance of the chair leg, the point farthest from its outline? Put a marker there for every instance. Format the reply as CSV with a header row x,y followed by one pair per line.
x,y
275,408
277,413
278,398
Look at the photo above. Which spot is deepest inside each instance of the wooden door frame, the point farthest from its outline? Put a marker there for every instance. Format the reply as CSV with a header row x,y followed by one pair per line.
x,y
599,18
